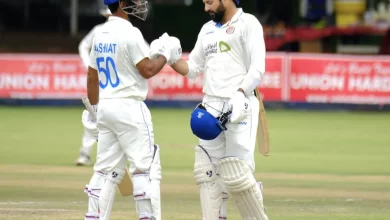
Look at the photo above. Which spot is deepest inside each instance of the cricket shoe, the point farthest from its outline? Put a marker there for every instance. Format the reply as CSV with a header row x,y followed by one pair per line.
x,y
83,160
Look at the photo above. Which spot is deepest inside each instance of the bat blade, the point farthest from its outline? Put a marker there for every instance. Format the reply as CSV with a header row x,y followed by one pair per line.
x,y
262,128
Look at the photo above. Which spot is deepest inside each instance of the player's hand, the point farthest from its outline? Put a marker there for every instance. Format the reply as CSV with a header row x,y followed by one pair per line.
x,y
159,47
239,105
176,51
89,123
173,45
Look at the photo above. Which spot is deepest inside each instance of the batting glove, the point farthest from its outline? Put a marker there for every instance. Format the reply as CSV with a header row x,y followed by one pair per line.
x,y
159,47
89,123
176,50
173,45
239,105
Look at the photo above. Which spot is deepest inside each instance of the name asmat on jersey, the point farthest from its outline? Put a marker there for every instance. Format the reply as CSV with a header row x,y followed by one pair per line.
x,y
105,48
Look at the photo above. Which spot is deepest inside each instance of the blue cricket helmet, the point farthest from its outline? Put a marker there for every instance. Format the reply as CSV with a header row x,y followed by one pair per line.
x,y
136,8
109,2
205,126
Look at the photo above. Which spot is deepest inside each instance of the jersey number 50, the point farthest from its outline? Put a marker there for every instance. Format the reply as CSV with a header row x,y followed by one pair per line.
x,y
106,72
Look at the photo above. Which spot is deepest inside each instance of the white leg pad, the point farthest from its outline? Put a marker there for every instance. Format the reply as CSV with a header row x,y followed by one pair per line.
x,y
225,196
91,216
93,190
210,190
155,179
88,140
242,185
107,194
142,191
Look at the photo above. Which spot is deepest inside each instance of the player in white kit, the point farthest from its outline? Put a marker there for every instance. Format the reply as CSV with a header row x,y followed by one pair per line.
x,y
89,136
117,87
230,51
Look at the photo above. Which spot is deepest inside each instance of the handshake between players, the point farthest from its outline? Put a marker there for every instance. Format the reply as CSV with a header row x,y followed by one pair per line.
x,y
166,46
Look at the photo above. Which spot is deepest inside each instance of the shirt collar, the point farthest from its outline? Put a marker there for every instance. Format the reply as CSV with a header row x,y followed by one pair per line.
x,y
116,18
234,18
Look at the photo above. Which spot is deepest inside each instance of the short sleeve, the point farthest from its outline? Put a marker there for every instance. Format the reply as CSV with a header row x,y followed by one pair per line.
x,y
138,48
92,57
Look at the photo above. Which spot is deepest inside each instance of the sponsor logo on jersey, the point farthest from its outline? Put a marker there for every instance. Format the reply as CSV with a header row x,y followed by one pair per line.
x,y
230,30
211,48
224,47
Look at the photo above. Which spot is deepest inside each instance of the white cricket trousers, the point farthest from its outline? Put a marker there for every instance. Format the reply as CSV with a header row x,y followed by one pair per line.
x,y
239,140
125,134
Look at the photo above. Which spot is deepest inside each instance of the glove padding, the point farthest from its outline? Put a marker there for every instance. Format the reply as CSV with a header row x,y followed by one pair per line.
x,y
166,46
239,105
159,47
89,123
176,50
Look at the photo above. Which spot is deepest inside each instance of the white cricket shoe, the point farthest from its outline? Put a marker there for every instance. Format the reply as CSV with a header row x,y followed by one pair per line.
x,y
83,160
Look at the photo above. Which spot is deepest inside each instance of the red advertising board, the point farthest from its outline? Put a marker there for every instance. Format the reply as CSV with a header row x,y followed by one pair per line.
x,y
274,78
289,77
169,85
42,77
339,79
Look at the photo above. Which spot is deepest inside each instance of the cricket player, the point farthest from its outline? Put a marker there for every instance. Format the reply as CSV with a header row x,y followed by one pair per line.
x,y
89,135
117,87
230,51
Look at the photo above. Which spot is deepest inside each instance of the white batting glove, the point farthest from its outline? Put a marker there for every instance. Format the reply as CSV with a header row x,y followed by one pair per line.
x,y
159,47
176,51
89,123
168,43
239,105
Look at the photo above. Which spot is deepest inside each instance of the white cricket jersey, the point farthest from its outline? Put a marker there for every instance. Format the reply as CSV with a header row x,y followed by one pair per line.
x,y
227,53
117,48
86,45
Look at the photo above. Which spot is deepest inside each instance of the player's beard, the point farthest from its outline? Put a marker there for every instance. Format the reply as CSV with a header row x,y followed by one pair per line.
x,y
219,13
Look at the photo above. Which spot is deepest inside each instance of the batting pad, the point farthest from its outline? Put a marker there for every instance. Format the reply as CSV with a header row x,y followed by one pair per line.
x,y
142,192
155,179
206,178
93,190
240,182
107,194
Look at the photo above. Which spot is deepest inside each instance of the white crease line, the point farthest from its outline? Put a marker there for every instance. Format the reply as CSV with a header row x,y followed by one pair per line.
x,y
21,203
37,210
33,203
308,200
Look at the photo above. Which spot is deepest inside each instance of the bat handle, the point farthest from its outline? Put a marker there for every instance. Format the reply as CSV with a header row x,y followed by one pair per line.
x,y
89,107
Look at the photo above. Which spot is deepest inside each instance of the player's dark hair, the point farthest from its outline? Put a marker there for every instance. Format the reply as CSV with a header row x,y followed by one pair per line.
x,y
113,7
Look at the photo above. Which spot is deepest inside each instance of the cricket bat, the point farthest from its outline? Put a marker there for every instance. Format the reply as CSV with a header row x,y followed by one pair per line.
x,y
126,186
262,128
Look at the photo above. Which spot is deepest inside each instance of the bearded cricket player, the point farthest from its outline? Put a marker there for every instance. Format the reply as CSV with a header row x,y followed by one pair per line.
x,y
90,133
230,52
117,87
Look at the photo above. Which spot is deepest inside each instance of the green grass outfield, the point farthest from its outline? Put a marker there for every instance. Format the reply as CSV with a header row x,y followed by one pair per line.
x,y
323,166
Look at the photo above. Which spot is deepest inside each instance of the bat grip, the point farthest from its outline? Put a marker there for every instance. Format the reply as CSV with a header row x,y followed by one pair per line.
x,y
89,108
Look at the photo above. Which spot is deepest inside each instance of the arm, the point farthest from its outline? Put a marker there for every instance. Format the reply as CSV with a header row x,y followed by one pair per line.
x,y
256,50
195,64
139,52
149,68
93,80
93,86
181,67
85,47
